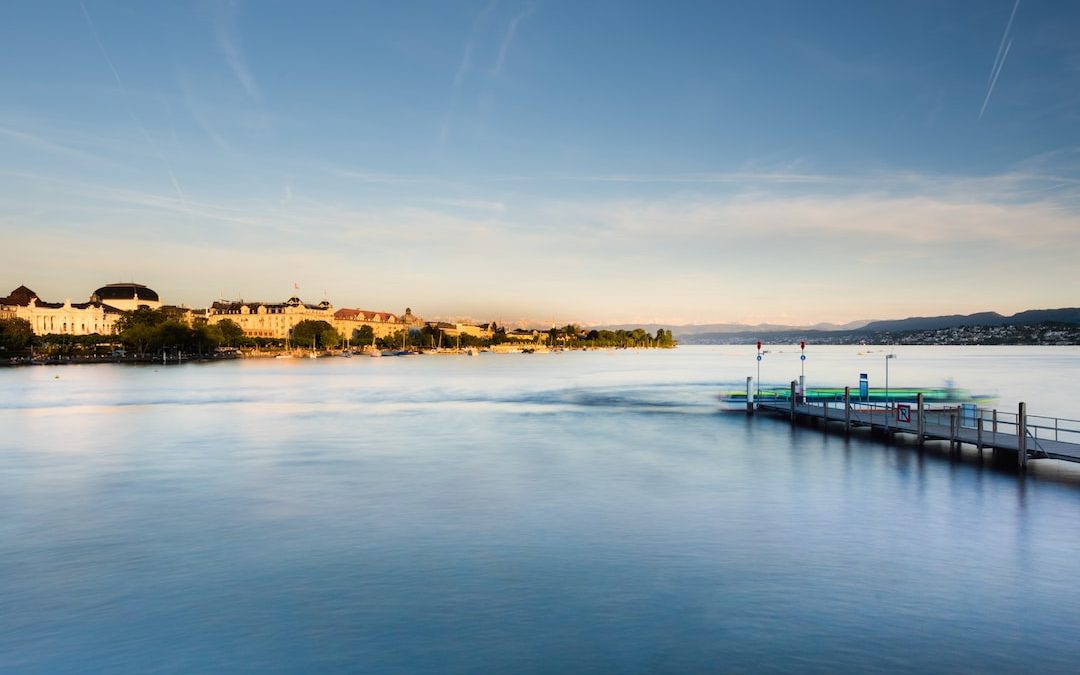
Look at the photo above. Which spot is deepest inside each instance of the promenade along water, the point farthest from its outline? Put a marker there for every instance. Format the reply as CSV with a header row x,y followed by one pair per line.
x,y
574,512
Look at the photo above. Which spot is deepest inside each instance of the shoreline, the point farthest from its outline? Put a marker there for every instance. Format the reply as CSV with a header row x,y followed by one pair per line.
x,y
16,362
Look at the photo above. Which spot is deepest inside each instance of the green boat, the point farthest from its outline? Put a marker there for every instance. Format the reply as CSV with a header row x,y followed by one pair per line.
x,y
931,395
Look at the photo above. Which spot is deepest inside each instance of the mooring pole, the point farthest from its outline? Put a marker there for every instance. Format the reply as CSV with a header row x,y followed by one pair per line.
x,y
1021,436
749,395
847,410
920,422
793,385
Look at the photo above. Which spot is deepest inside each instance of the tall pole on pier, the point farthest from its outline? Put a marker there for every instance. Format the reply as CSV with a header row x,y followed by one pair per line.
x,y
759,368
802,370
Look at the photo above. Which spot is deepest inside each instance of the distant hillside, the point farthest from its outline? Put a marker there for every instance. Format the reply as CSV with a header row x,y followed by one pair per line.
x,y
1065,315
731,328
889,331
1070,315
937,322
726,333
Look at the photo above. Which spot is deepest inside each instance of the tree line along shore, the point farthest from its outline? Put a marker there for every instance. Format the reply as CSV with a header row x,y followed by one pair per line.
x,y
158,334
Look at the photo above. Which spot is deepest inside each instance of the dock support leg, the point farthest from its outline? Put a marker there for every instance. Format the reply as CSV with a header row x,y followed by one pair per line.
x,y
1021,437
993,436
920,419
953,444
792,399
847,410
978,433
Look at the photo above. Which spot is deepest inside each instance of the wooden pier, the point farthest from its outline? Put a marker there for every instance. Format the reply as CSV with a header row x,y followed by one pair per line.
x,y
1030,437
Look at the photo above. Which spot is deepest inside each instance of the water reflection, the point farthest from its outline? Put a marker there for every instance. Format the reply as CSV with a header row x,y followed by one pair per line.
x,y
591,513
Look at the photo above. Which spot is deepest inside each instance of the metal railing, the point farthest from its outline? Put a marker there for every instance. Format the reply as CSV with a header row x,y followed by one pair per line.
x,y
983,426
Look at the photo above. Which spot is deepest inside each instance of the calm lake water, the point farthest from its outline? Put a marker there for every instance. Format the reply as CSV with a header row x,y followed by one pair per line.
x,y
558,513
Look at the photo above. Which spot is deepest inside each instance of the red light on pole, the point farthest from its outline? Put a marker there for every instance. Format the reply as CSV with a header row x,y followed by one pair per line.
x,y
802,344
759,345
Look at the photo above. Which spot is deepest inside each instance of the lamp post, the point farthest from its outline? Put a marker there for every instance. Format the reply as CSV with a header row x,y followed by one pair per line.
x,y
887,405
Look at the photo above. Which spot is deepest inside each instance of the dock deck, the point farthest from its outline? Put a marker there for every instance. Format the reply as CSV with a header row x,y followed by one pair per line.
x,y
1031,437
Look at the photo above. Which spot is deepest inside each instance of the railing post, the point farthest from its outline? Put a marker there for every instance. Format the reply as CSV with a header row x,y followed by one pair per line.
x,y
793,385
749,396
847,410
920,421
1021,436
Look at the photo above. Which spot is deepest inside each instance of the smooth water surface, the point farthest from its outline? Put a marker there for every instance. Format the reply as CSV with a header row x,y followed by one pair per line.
x,y
573,512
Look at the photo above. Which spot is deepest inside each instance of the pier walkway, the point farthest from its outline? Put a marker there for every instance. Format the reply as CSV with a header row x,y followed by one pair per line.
x,y
1029,436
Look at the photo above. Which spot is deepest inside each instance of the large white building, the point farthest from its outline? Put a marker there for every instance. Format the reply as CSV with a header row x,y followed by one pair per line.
x,y
98,315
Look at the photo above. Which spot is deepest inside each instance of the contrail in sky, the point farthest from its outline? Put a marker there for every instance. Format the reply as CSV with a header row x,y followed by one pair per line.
x,y
134,117
1001,46
511,29
999,60
463,68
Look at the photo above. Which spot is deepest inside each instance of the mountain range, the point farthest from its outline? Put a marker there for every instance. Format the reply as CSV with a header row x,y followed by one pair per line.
x,y
704,333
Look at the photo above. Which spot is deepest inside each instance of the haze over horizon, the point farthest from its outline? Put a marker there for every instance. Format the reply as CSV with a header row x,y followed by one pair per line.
x,y
597,163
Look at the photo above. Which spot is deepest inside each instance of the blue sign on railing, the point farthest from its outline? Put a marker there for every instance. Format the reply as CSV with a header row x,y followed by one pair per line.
x,y
864,387
968,414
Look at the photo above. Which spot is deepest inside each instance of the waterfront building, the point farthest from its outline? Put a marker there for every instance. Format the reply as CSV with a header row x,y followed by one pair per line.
x,y
349,321
522,335
276,320
63,318
483,331
270,320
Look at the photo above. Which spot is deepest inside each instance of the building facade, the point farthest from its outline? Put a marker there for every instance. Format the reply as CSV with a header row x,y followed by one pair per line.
x,y
348,322
483,331
270,320
60,318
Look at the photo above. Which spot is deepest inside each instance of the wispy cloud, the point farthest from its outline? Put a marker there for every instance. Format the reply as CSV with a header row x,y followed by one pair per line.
x,y
472,204
46,145
508,37
733,178
999,59
379,177
234,53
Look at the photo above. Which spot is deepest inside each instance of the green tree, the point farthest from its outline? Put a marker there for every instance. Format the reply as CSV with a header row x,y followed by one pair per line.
x,y
329,338
307,333
363,336
15,335
231,332
392,341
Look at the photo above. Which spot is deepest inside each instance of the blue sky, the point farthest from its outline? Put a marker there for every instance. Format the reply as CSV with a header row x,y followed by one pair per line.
x,y
549,161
